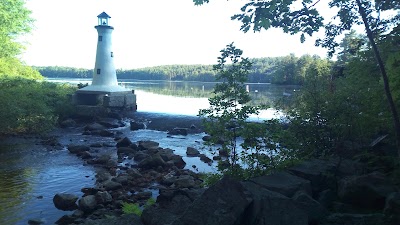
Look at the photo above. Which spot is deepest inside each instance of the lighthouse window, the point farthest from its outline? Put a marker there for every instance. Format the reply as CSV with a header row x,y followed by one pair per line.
x,y
100,38
98,71
112,54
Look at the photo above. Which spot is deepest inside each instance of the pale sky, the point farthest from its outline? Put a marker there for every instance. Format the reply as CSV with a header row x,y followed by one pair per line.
x,y
149,33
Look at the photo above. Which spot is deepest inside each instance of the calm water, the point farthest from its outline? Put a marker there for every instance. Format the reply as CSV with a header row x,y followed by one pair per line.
x,y
30,175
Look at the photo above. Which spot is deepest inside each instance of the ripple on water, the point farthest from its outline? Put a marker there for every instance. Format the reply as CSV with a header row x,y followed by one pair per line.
x,y
31,176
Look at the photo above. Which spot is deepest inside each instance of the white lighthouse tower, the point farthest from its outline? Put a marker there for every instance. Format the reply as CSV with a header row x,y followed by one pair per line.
x,y
104,90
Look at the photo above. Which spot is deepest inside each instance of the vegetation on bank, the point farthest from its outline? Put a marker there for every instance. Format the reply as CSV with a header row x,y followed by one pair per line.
x,y
287,70
27,103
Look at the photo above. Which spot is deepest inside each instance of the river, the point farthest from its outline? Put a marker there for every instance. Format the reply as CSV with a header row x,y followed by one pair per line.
x,y
31,174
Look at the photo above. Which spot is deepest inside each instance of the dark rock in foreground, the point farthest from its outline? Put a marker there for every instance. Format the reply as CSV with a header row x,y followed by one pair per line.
x,y
65,202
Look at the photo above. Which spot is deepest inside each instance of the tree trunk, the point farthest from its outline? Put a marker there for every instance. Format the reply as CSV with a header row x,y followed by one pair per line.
x,y
378,57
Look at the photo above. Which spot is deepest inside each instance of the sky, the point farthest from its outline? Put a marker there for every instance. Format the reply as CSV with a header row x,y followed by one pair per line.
x,y
149,33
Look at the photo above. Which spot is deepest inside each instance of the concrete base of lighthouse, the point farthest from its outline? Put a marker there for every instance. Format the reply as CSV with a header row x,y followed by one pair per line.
x,y
97,100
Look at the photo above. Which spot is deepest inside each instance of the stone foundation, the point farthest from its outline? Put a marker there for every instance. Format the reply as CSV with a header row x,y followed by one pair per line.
x,y
94,103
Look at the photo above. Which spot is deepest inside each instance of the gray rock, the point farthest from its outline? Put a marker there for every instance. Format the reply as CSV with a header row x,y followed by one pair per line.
x,y
124,142
178,161
153,161
103,197
94,127
103,175
148,145
125,150
367,191
271,208
184,181
192,152
178,131
65,202
110,123
139,156
111,185
205,159
76,149
326,198
134,173
321,173
223,203
36,221
169,206
122,179
87,203
137,125
315,211
106,133
284,183
206,138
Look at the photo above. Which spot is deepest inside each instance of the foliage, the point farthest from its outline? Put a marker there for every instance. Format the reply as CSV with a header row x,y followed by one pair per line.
x,y
210,179
226,118
131,208
303,16
134,208
15,21
30,106
278,70
12,67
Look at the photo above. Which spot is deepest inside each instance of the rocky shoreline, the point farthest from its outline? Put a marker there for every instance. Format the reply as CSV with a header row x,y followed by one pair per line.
x,y
315,192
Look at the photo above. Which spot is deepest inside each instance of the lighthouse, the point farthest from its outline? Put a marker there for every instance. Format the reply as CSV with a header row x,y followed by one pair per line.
x,y
104,92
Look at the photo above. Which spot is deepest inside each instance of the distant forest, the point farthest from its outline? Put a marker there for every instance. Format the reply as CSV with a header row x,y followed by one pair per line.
x,y
277,70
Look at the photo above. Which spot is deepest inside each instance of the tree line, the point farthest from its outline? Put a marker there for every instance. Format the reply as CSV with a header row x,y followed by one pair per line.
x,y
277,70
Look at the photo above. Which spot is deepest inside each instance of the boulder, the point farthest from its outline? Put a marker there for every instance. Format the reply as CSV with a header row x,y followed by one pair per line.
x,y
178,131
314,210
366,191
153,161
205,159
169,206
192,152
125,150
87,203
223,203
124,142
284,183
178,161
134,173
106,133
206,138
94,127
271,208
137,125
111,185
321,173
139,156
103,197
184,181
110,123
76,149
65,202
146,145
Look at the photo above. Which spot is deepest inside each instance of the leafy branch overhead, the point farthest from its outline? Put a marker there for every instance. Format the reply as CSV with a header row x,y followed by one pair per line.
x,y
306,17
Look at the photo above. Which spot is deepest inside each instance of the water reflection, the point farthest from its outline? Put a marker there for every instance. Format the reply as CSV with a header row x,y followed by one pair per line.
x,y
29,178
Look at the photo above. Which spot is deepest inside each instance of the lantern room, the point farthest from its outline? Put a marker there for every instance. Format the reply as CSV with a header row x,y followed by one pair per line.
x,y
103,19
